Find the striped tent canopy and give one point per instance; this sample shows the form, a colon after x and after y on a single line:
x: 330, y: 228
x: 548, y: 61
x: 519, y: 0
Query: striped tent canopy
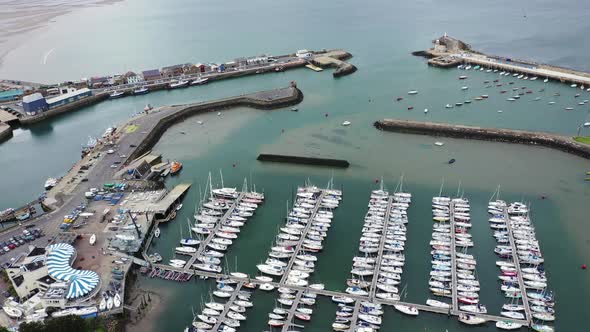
x: 81, y: 282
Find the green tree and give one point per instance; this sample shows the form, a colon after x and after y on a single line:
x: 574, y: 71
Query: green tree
x: 61, y: 324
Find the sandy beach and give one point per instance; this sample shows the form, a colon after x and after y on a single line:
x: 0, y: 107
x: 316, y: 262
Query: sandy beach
x: 19, y: 18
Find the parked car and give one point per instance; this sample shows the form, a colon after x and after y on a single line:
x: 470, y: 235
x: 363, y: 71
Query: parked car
x: 10, y: 247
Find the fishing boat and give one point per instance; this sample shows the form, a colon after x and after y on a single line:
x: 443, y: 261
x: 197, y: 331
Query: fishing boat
x: 185, y: 250
x: 175, y: 167
x: 266, y: 287
x: 178, y: 84
x: 103, y: 304
x: 50, y: 183
x: 116, y: 94
x: 508, y: 325
x: 189, y: 242
x: 200, y: 81
x: 413, y: 92
x: 92, y: 239
x: 376, y: 320
x: 109, y: 303
x: 438, y: 304
x: 117, y: 300
x: 157, y: 232
x: 471, y: 320
x: 141, y: 91
x: 542, y: 328
x: 406, y: 309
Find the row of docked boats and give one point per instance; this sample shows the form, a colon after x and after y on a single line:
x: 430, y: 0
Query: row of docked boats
x: 368, y: 318
x: 227, y: 311
x: 293, y: 257
x: 293, y: 253
x: 219, y: 219
x: 175, y: 84
x: 299, y: 302
x: 183, y: 83
x: 453, y: 268
x: 522, y: 276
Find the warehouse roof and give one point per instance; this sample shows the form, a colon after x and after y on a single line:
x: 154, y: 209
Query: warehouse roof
x: 32, y: 97
x: 10, y: 93
x: 67, y: 95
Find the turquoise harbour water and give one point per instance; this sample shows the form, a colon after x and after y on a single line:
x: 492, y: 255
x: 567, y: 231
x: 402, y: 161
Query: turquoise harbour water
x: 140, y: 35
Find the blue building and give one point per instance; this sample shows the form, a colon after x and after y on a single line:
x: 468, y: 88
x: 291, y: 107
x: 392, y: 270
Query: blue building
x: 34, y: 103
x: 69, y: 97
x: 10, y: 95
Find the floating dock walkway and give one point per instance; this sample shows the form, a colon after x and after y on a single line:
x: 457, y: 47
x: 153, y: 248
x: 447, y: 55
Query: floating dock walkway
x: 523, y: 290
x: 291, y: 313
x: 227, y: 306
x: 210, y: 237
x: 379, y: 257
x: 455, y: 302
x: 355, y: 315
x: 329, y: 293
x: 303, y: 236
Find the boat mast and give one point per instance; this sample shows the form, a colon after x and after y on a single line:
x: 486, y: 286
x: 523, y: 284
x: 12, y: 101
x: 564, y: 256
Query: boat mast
x: 441, y: 187
x: 210, y: 186
x: 245, y: 185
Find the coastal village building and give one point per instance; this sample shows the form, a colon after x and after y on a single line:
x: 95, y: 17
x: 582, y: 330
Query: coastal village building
x: 191, y: 69
x: 48, y: 271
x: 151, y: 75
x: 132, y: 78
x: 97, y: 82
x: 203, y: 67
x: 28, y: 274
x: 176, y: 70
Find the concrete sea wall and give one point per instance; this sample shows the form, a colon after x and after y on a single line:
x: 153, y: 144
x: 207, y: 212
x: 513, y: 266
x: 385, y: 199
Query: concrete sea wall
x: 303, y: 160
x: 562, y: 143
x: 5, y: 132
x: 256, y: 100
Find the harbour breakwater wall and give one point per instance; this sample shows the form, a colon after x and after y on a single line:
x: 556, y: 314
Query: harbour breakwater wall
x: 265, y: 100
x: 563, y: 143
x: 335, y: 59
x: 303, y: 160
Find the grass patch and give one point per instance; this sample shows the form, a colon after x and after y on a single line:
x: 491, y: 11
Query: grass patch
x: 582, y: 139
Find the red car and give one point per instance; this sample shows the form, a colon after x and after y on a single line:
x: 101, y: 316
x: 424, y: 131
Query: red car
x: 11, y: 246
